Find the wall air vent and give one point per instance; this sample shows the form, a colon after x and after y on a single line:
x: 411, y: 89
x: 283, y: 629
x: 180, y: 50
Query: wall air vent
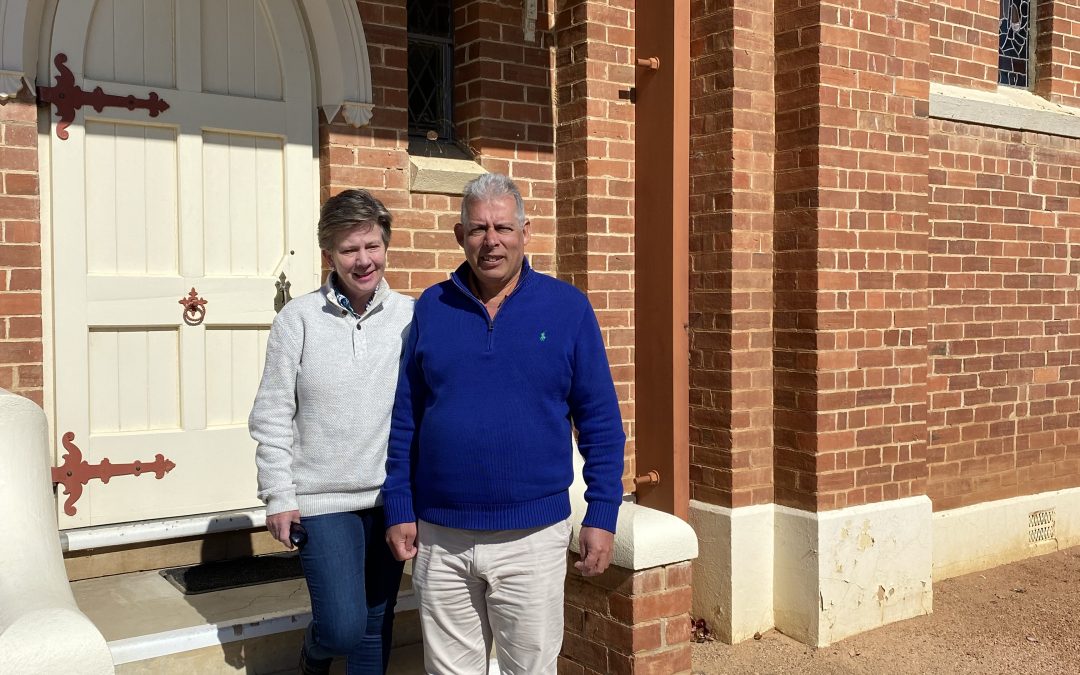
x: 1041, y: 526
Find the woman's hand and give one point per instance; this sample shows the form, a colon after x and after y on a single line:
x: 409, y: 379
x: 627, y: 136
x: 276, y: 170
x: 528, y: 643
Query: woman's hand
x: 279, y: 525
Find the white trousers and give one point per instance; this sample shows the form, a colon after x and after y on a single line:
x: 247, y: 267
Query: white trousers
x: 475, y: 586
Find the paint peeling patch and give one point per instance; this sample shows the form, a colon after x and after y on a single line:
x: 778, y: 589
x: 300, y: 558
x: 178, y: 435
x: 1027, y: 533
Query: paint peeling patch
x: 865, y: 540
x: 884, y: 596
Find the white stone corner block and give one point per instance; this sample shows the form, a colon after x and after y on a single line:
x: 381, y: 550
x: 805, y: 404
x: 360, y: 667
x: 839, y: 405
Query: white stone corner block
x: 733, y: 575
x: 644, y: 537
x: 838, y: 573
x: 41, y: 627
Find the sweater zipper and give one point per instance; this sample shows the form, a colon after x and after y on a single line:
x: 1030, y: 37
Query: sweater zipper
x: 483, y: 308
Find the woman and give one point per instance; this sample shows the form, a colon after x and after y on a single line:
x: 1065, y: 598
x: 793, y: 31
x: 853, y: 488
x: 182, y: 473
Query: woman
x: 321, y: 419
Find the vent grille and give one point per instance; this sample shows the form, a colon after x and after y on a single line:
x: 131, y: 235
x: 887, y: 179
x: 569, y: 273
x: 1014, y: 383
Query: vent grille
x: 1041, y: 526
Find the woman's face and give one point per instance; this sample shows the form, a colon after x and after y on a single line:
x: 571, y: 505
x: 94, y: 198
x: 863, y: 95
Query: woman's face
x: 359, y: 258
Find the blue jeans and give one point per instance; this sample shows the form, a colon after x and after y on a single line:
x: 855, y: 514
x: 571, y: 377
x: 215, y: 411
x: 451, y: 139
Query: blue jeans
x: 353, y: 581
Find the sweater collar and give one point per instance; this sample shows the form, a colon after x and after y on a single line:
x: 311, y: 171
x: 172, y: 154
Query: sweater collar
x: 339, y: 300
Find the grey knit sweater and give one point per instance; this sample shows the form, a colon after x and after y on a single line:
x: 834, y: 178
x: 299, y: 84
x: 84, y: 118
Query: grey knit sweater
x: 322, y: 413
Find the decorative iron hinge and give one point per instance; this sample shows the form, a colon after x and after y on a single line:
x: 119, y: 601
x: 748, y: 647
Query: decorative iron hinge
x: 76, y: 472
x: 628, y: 94
x: 69, y: 97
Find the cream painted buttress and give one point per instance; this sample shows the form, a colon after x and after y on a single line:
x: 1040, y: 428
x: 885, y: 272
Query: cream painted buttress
x: 219, y: 193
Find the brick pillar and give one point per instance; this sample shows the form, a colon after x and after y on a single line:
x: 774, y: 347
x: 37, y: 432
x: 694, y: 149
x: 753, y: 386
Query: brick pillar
x: 851, y: 238
x: 20, y: 251
x: 731, y: 253
x: 625, y: 621
x: 852, y: 164
x: 594, y: 166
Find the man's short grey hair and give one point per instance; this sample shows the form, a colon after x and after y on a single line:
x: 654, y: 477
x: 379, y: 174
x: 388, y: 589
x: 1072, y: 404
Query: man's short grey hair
x: 350, y: 210
x: 491, y: 186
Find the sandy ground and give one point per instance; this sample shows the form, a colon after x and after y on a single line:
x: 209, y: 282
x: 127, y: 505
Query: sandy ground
x: 1018, y: 618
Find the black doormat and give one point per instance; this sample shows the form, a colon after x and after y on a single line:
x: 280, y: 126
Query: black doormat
x: 247, y: 571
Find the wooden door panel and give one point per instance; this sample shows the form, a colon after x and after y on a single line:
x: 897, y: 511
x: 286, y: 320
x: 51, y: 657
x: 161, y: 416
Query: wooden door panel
x: 240, y: 42
x: 243, y: 204
x: 133, y: 42
x: 134, y: 380
x: 131, y: 213
x: 234, y: 361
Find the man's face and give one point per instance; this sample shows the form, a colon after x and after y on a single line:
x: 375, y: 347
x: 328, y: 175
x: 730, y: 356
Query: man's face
x: 359, y: 258
x: 494, y: 241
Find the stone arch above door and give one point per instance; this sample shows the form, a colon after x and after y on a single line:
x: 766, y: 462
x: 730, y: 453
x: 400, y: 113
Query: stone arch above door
x: 338, y: 46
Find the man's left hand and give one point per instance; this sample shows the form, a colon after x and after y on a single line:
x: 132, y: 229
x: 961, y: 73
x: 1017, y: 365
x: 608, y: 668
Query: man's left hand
x: 596, y: 546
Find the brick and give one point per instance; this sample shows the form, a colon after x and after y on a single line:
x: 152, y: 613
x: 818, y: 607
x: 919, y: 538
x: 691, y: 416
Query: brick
x: 679, y: 575
x: 676, y: 630
x: 20, y: 184
x: 17, y: 304
x: 665, y: 662
x: 652, y: 606
x: 584, y: 652
x: 19, y: 352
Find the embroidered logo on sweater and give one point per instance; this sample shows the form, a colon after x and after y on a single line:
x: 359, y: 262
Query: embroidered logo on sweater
x: 543, y: 336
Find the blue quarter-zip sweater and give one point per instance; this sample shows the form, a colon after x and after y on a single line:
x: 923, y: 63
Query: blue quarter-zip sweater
x: 480, y: 437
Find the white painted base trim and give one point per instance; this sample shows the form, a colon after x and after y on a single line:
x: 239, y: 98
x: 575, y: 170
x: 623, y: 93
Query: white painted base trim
x: 733, y: 573
x: 125, y: 534
x: 181, y: 640
x: 986, y: 535
x: 838, y: 573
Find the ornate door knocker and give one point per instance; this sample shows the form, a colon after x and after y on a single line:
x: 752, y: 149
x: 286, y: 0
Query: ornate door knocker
x: 194, y: 308
x: 283, y: 295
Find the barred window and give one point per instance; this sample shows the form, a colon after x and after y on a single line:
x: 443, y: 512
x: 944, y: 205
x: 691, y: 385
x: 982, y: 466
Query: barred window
x: 1014, y: 43
x: 430, y: 68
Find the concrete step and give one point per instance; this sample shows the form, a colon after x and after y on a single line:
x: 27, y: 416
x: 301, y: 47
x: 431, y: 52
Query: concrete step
x: 151, y: 627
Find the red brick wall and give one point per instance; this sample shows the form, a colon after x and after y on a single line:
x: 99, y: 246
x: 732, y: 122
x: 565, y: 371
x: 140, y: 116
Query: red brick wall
x: 506, y: 114
x: 1004, y: 328
x: 624, y: 622
x: 20, y: 251
x: 731, y: 260
x: 595, y: 171
x: 423, y: 249
x: 851, y: 228
x: 964, y: 43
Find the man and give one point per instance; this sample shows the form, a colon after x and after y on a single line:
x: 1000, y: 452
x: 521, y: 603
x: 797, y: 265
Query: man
x: 500, y: 361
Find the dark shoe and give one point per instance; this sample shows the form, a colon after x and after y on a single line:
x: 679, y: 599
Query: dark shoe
x: 309, y: 666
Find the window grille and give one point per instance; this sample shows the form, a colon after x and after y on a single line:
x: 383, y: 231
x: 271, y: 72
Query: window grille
x: 1014, y: 43
x: 430, y: 68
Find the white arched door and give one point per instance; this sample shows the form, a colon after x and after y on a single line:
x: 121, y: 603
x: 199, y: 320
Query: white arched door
x: 218, y: 193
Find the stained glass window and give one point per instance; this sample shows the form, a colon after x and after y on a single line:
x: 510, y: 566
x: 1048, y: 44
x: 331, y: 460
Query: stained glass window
x: 1014, y: 42
x: 430, y: 68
